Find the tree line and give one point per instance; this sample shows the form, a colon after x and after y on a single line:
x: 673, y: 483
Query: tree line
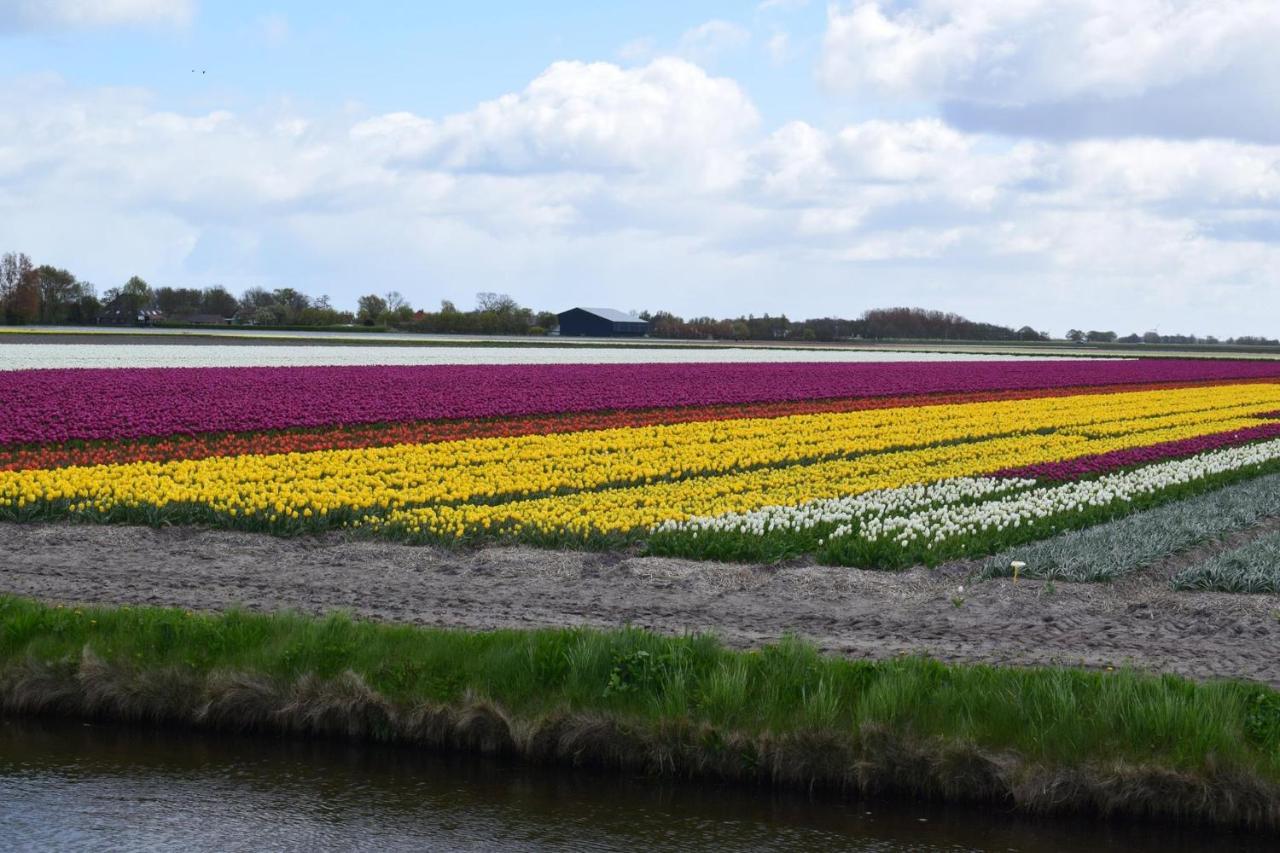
x: 48, y: 295
x: 1080, y: 337
x: 878, y: 323
x: 43, y: 294
x: 31, y: 294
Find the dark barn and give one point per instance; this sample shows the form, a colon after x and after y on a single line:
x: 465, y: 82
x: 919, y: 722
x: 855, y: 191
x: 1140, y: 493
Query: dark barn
x: 601, y: 323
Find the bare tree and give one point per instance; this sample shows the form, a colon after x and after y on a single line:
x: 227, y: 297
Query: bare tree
x: 498, y: 303
x: 395, y: 301
x: 13, y: 267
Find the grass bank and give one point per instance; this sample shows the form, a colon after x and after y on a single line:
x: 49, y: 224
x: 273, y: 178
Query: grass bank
x: 1039, y: 740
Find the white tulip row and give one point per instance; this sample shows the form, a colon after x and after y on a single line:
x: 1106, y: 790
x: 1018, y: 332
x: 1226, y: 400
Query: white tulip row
x: 934, y: 525
x: 937, y: 512
x: 867, y: 505
x: 26, y: 356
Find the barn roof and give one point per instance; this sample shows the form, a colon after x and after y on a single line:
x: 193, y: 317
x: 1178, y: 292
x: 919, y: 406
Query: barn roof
x: 613, y: 315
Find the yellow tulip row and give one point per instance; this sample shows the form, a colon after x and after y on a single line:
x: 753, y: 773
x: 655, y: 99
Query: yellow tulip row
x: 642, y: 507
x: 621, y: 479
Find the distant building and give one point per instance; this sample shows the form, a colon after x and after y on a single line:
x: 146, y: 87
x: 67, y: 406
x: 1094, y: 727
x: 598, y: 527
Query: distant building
x: 122, y: 317
x: 601, y: 323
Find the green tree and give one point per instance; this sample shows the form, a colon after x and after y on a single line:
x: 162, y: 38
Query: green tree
x: 501, y: 314
x: 291, y: 304
x: 177, y: 302
x: 255, y: 298
x: 370, y: 309
x: 15, y: 267
x: 58, y: 292
x: 23, y: 305
x: 268, y: 315
x: 138, y: 293
x: 86, y: 308
x: 217, y: 300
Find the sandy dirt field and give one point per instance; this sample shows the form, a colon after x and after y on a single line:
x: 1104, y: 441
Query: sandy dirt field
x: 1137, y: 622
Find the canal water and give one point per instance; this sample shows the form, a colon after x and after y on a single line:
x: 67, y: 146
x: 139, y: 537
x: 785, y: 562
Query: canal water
x: 72, y: 786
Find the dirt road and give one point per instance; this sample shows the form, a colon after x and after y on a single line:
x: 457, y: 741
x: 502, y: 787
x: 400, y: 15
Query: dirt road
x: 1139, y: 622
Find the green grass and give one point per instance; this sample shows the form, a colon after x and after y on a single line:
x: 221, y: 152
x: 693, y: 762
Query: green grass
x: 1040, y: 740
x: 1063, y: 717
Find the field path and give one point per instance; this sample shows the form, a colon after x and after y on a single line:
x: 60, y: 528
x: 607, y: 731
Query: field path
x: 1138, y: 622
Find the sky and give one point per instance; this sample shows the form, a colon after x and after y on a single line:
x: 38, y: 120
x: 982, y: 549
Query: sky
x: 1059, y: 163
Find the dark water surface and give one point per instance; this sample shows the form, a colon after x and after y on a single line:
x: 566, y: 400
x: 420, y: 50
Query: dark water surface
x: 97, y: 787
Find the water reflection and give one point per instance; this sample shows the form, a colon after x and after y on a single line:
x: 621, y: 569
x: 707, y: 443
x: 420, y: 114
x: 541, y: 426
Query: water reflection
x: 75, y: 786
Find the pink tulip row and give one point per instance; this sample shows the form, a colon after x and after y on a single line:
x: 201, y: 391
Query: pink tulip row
x: 61, y: 405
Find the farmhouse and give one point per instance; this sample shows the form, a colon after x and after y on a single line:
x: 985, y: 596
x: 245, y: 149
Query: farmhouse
x: 124, y: 317
x: 601, y: 323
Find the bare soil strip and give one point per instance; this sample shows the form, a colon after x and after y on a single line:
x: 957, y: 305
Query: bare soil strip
x: 1139, y: 622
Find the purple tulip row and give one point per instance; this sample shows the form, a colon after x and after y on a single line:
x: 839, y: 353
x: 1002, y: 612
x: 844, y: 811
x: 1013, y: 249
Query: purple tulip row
x: 1074, y: 469
x: 60, y: 405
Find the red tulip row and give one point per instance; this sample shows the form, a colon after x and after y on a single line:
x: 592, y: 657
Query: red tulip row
x: 200, y: 446
x: 1102, y: 463
x: 40, y: 406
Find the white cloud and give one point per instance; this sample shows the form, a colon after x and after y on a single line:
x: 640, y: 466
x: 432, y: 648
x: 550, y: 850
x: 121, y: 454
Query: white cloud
x: 75, y: 14
x: 1041, y: 49
x: 638, y: 50
x: 795, y: 161
x: 779, y: 48
x: 273, y: 28
x: 586, y: 117
x: 922, y: 149
x: 1206, y: 174
x: 880, y: 164
x: 997, y: 54
x: 705, y: 43
x: 647, y: 187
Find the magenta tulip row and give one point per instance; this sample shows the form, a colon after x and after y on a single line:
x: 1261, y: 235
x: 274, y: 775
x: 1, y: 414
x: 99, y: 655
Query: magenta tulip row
x: 1074, y: 469
x: 60, y: 405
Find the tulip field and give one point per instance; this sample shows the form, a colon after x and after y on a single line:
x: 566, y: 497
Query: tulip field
x: 393, y: 353
x: 876, y: 464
